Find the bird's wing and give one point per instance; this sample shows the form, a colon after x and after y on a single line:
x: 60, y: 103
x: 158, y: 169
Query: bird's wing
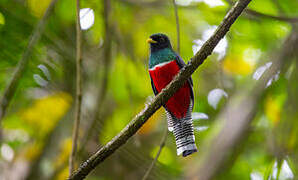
x: 181, y: 64
x: 153, y: 87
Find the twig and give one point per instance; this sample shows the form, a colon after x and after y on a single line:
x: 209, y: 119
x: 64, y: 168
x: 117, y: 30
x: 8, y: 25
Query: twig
x: 280, y: 18
x: 104, y: 82
x: 78, y: 90
x: 259, y: 14
x: 234, y: 121
x: 162, y: 97
x: 162, y: 144
x: 107, y: 45
x: 177, y: 26
x: 18, y: 73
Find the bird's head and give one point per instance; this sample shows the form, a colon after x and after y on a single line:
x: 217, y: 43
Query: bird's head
x: 159, y: 41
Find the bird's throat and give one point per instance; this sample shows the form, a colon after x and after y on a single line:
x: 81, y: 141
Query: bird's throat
x: 160, y: 57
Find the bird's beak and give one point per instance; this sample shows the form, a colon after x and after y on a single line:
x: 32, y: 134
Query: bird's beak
x: 150, y: 41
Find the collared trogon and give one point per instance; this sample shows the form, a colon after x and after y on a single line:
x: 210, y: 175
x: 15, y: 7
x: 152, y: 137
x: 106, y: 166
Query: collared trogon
x: 164, y: 64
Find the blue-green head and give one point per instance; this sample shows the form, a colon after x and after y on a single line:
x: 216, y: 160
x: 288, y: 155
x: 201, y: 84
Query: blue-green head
x: 160, y: 49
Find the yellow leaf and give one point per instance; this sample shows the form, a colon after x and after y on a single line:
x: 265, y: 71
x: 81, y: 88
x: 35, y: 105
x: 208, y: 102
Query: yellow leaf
x: 65, y: 149
x: 32, y: 151
x: 236, y: 65
x: 44, y: 114
x: 273, y: 106
x: 38, y: 7
x: 2, y: 19
x: 63, y: 174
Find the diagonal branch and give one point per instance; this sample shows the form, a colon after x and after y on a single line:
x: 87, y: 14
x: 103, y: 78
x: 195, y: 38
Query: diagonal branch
x: 78, y: 90
x: 164, y: 96
x: 20, y: 69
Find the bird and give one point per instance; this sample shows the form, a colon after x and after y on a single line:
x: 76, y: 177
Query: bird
x: 164, y: 65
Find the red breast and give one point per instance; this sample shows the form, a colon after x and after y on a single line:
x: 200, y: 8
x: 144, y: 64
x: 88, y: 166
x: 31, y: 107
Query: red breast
x: 162, y: 75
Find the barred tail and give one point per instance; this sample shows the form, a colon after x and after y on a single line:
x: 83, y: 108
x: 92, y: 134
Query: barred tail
x: 183, y: 132
x: 185, y: 139
x: 170, y: 121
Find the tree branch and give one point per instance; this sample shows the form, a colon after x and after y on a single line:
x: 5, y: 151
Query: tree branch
x: 162, y: 97
x: 234, y: 121
x: 78, y: 90
x: 18, y: 73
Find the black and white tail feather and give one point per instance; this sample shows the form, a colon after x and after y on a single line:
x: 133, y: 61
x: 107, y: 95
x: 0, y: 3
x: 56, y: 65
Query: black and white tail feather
x: 183, y: 132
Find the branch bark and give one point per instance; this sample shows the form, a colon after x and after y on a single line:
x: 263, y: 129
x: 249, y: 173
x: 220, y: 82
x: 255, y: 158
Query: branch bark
x: 20, y: 69
x: 78, y: 90
x: 164, y: 96
x: 234, y: 121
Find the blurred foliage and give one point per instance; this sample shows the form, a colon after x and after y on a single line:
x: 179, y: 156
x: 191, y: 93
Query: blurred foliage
x: 236, y: 65
x: 39, y: 121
